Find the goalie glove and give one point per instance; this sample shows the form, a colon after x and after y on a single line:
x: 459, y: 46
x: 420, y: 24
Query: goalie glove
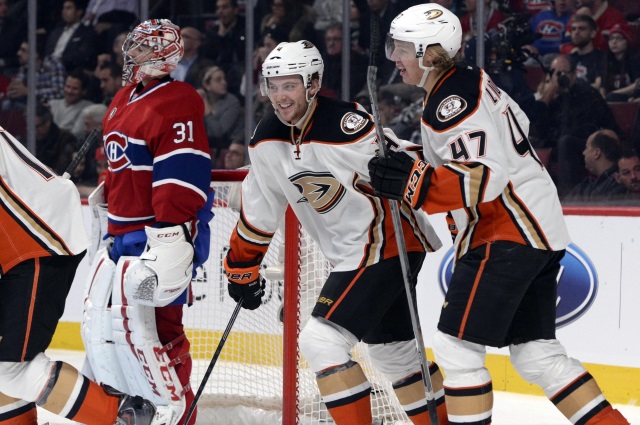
x: 401, y: 178
x: 164, y: 270
x: 245, y: 282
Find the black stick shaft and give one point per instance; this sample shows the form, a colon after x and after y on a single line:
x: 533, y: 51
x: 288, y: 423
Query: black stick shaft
x: 91, y: 139
x: 223, y: 339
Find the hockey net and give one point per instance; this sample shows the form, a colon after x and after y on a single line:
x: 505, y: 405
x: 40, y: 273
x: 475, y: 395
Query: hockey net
x: 260, y: 377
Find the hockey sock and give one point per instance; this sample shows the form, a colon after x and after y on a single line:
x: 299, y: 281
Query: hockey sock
x: 346, y: 393
x: 17, y: 412
x: 411, y: 394
x: 75, y: 397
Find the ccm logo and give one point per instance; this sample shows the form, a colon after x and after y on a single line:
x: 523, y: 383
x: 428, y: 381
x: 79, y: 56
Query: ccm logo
x: 577, y: 283
x: 167, y: 235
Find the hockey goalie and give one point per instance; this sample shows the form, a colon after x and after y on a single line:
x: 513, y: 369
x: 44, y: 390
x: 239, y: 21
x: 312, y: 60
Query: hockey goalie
x: 150, y: 227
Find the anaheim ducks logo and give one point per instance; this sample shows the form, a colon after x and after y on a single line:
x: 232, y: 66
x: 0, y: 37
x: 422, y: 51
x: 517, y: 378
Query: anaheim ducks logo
x: 433, y: 14
x: 450, y: 107
x: 321, y: 190
x: 352, y: 123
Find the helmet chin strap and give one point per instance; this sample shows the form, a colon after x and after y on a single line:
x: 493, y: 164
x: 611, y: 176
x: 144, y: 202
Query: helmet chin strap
x: 427, y: 70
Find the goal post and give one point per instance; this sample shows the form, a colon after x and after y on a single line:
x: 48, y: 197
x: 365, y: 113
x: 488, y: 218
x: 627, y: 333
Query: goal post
x: 260, y: 377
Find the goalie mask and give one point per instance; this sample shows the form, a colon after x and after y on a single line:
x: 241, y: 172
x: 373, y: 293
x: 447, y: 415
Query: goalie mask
x: 425, y: 25
x: 298, y: 58
x: 152, y: 49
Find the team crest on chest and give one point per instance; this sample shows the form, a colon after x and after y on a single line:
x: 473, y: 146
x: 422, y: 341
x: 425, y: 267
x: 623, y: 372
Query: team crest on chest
x: 450, y: 107
x: 321, y: 190
x: 352, y: 123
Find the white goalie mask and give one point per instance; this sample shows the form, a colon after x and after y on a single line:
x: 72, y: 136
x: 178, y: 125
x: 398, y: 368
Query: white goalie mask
x: 152, y: 49
x: 425, y: 25
x: 298, y: 58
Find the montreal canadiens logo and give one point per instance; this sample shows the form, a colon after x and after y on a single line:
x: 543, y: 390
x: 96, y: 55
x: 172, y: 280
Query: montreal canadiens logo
x: 450, y: 107
x: 352, y: 123
x: 577, y: 283
x: 115, y: 147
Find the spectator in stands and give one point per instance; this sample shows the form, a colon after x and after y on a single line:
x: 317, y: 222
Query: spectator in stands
x: 551, y: 24
x: 110, y: 76
x: 628, y: 174
x: 92, y: 117
x: 71, y: 42
x: 225, y: 43
x: 327, y: 12
x: 235, y: 156
x: 622, y: 72
x: 54, y: 146
x: 492, y: 16
x: 96, y: 8
x: 590, y: 63
x: 50, y: 75
x: 601, y: 154
x: 12, y: 32
x: 192, y: 65
x: 605, y: 16
x: 295, y: 17
x: 66, y: 111
x: 223, y: 114
x: 568, y: 111
x: 332, y: 78
x: 389, y: 106
x: 386, y: 10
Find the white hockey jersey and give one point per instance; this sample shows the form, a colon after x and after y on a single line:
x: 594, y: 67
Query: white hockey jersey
x: 486, y: 172
x: 40, y: 212
x: 322, y: 173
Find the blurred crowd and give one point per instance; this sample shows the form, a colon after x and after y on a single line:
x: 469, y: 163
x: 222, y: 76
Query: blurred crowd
x: 572, y: 65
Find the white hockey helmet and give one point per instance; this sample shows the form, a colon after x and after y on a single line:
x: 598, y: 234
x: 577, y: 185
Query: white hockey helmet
x: 151, y: 49
x: 425, y: 25
x: 296, y: 58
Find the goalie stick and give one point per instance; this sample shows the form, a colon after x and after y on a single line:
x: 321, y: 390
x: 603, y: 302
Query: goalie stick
x: 372, y: 86
x: 214, y: 359
x: 89, y: 141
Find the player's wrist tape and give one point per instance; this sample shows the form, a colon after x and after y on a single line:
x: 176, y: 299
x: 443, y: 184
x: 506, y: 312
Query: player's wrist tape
x: 417, y: 184
x: 241, y: 273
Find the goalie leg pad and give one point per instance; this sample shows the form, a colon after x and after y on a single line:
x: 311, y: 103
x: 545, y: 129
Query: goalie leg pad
x: 96, y: 330
x: 164, y: 270
x: 325, y: 345
x: 148, y: 368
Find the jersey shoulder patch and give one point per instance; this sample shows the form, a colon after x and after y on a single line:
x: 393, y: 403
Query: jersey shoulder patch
x: 337, y: 121
x: 456, y: 97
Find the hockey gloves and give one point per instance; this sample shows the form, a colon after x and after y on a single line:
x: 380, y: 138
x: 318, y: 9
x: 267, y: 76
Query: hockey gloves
x: 245, y: 282
x: 401, y: 178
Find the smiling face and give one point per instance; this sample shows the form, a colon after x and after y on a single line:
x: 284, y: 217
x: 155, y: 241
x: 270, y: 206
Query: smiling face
x: 288, y: 96
x: 404, y: 56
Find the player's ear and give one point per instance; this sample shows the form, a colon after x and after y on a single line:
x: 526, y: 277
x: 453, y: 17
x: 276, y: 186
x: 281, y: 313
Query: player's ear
x: 315, y: 87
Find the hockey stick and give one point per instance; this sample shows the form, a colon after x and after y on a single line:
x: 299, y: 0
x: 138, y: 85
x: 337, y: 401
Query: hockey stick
x: 372, y: 86
x: 223, y: 339
x: 89, y: 141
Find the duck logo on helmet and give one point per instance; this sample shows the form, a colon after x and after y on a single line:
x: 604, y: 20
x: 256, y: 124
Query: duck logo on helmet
x: 433, y: 14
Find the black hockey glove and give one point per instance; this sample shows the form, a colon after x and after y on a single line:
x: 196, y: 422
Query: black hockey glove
x: 245, y: 282
x: 401, y: 178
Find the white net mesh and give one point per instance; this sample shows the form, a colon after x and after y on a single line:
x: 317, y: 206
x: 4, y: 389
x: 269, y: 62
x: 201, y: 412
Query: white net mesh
x: 247, y: 384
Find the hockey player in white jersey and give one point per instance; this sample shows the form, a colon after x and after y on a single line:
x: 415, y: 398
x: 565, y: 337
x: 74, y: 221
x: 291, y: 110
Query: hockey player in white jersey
x: 312, y: 155
x: 510, y: 234
x: 42, y: 241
